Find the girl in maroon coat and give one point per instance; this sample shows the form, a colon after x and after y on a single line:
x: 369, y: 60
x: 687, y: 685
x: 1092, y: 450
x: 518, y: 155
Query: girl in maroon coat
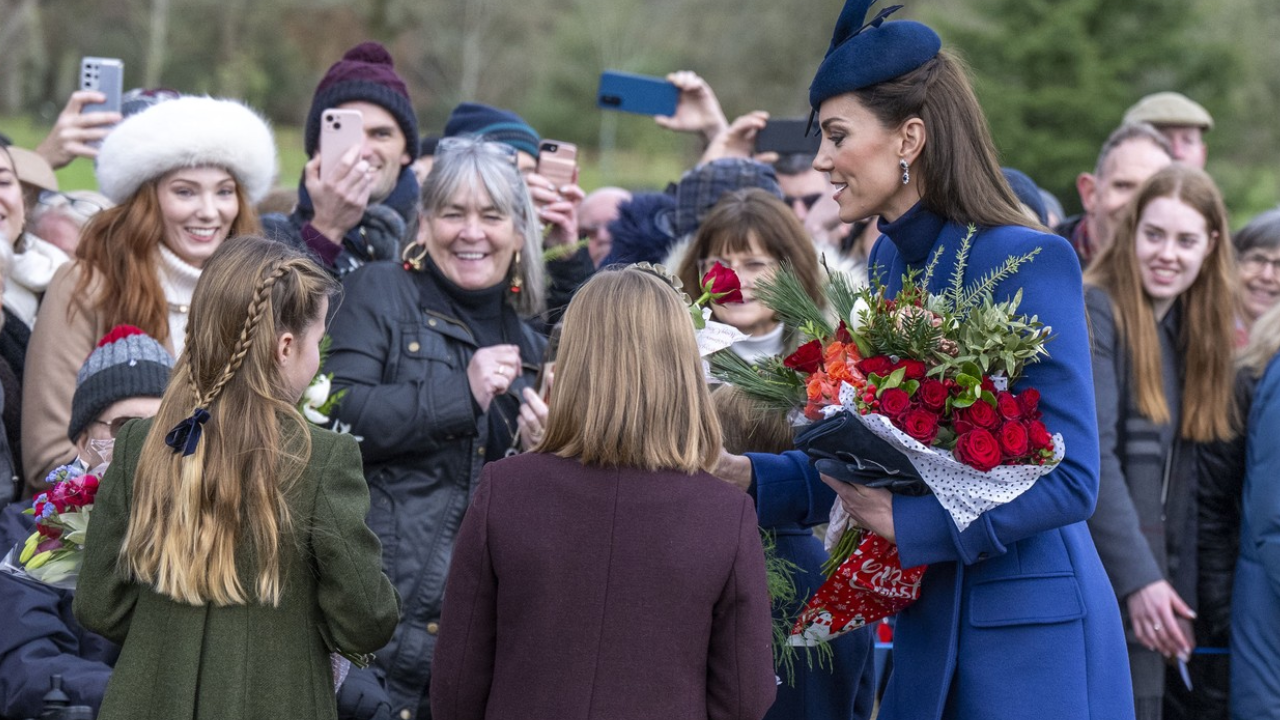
x: 608, y: 575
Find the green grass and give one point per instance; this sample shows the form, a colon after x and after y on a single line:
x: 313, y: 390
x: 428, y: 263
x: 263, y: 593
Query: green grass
x: 626, y: 168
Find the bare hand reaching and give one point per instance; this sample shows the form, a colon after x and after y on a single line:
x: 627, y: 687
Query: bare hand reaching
x: 697, y: 110
x: 73, y: 131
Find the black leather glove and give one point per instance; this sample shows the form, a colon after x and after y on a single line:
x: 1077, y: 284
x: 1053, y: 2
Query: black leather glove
x: 842, y: 447
x: 362, y: 696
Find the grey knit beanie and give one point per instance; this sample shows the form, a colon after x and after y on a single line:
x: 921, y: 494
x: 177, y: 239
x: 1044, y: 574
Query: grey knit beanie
x: 126, y: 363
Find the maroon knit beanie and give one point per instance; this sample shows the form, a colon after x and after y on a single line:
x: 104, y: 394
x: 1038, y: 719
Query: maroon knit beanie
x: 366, y: 72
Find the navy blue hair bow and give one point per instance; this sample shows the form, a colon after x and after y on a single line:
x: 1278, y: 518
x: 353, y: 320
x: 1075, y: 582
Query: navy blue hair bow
x: 185, y: 436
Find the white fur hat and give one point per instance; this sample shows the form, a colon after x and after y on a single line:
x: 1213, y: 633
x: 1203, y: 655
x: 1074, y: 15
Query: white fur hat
x: 185, y: 133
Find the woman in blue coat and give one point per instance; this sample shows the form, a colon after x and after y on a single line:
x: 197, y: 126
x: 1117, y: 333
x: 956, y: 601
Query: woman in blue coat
x: 1255, y: 606
x: 1016, y: 617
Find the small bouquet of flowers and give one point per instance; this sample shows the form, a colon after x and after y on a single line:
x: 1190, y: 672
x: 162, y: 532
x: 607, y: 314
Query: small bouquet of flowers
x: 911, y: 394
x: 319, y: 401
x: 54, y: 552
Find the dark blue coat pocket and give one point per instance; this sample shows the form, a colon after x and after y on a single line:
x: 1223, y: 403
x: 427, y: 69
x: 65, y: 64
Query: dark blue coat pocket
x: 1026, y: 600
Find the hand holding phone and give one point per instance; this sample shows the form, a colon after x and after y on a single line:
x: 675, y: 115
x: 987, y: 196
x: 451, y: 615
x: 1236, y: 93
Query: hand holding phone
x: 785, y: 136
x: 639, y: 94
x: 558, y: 162
x: 340, y: 130
x: 104, y: 75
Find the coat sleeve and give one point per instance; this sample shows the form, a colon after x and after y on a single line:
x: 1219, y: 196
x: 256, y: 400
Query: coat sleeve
x: 105, y: 596
x: 1115, y: 527
x: 393, y: 418
x: 462, y: 669
x: 359, y: 604
x: 1052, y: 292
x: 1261, y: 500
x: 741, y: 683
x: 788, y: 490
x: 37, y: 641
x: 59, y: 345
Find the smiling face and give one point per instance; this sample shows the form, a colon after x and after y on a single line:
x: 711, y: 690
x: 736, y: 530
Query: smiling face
x: 12, y: 211
x: 1259, y: 269
x: 385, y: 147
x: 861, y: 157
x: 198, y: 206
x: 470, y: 240
x: 1172, y: 243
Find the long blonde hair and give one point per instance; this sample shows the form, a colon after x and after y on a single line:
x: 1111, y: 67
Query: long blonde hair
x: 192, y: 512
x: 1208, y: 324
x: 629, y: 389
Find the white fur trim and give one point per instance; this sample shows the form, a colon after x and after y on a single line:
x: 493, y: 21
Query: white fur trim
x: 184, y: 133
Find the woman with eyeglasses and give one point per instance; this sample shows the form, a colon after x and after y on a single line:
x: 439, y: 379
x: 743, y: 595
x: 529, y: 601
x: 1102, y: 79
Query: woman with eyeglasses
x: 438, y: 366
x: 752, y: 232
x: 59, y: 217
x: 1258, y: 264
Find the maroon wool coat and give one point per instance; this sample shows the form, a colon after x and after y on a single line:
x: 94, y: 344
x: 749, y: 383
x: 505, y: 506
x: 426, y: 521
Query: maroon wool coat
x: 583, y: 592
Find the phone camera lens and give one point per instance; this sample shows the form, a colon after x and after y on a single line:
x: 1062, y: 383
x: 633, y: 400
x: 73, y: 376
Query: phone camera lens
x: 337, y: 126
x: 328, y: 118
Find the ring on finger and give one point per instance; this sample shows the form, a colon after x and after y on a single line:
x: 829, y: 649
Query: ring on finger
x: 502, y: 370
x: 1157, y: 627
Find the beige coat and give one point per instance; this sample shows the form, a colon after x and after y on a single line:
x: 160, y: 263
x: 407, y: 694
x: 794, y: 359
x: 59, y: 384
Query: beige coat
x: 60, y: 343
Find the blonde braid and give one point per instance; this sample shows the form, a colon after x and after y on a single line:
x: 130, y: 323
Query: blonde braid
x: 257, y: 307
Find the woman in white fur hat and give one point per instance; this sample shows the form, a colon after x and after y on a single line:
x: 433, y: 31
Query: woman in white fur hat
x: 185, y: 175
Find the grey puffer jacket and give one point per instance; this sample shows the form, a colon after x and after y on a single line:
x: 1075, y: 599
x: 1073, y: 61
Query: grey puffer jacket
x: 400, y: 353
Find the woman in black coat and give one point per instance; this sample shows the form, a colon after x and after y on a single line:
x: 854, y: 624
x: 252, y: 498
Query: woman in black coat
x: 437, y: 367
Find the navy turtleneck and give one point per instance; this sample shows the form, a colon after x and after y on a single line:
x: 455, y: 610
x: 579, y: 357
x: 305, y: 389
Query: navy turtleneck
x: 914, y: 233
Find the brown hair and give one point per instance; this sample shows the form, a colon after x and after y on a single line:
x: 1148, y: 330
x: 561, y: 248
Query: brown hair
x: 629, y: 389
x: 1264, y: 343
x: 191, y: 513
x: 749, y: 426
x: 960, y: 177
x: 1208, y: 320
x: 120, y: 244
x: 753, y: 214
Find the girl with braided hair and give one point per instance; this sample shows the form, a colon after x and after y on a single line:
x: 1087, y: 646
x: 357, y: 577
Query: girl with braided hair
x: 228, y: 552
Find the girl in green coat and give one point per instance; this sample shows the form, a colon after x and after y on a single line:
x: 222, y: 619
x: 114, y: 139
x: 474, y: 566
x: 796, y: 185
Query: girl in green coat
x: 228, y: 553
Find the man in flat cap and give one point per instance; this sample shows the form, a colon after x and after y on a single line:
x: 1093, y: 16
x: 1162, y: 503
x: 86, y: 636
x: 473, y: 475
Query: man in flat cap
x: 1180, y: 119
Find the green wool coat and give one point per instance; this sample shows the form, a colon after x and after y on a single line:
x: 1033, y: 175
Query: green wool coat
x: 242, y: 661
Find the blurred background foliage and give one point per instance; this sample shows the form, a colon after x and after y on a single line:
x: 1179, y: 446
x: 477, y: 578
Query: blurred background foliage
x: 1054, y: 76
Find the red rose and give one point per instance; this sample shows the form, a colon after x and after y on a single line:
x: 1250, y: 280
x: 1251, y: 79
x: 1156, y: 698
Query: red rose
x: 989, y: 385
x: 1039, y: 436
x: 978, y: 449
x: 915, y: 369
x: 921, y: 425
x: 722, y: 284
x: 894, y: 402
x: 932, y: 394
x: 806, y: 359
x: 843, y: 335
x: 960, y: 425
x: 1029, y: 399
x: 980, y: 415
x: 1008, y: 405
x: 1013, y: 440
x: 879, y: 365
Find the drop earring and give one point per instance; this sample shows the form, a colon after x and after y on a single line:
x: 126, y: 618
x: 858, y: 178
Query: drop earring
x: 516, y: 281
x: 906, y: 170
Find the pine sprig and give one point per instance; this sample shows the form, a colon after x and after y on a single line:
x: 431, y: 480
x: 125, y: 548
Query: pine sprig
x: 786, y: 296
x: 987, y: 285
x: 841, y: 292
x: 775, y: 388
x: 780, y: 575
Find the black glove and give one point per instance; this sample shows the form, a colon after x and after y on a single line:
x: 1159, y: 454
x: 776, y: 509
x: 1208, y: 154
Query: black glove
x: 842, y: 447
x: 362, y: 696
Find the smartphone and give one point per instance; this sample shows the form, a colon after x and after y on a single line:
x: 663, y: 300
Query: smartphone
x: 340, y: 130
x: 785, y: 136
x: 558, y: 162
x: 639, y: 94
x: 105, y: 75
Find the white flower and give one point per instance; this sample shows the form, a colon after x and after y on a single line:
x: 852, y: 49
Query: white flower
x: 318, y: 392
x: 314, y: 415
x: 860, y: 306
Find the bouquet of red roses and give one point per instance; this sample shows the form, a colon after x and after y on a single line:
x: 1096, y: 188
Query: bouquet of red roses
x: 911, y: 394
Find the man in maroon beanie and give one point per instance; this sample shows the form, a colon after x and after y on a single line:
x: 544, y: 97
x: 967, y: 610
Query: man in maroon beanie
x: 361, y: 210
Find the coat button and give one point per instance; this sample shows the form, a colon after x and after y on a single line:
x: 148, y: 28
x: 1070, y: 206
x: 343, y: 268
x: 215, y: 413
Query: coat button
x: 433, y: 628
x: 405, y: 714
x: 480, y: 452
x: 432, y: 322
x: 413, y: 347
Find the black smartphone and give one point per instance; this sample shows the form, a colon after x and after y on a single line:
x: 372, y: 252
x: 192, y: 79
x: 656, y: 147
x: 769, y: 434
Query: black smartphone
x: 785, y: 136
x: 639, y: 94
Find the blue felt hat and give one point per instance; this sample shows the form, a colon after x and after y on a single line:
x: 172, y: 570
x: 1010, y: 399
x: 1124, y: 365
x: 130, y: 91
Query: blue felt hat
x: 864, y: 53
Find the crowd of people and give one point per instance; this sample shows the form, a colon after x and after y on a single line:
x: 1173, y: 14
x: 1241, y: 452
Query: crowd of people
x: 529, y: 500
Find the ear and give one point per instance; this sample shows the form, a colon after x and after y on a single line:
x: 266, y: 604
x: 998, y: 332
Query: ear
x: 424, y: 229
x: 405, y: 159
x: 1086, y: 185
x: 286, y: 349
x: 912, y: 136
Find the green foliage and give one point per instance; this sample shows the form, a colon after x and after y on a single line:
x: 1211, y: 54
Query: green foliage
x: 773, y: 386
x: 780, y: 576
x: 788, y: 298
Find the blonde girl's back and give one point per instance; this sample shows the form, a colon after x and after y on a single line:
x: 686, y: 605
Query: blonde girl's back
x: 228, y: 552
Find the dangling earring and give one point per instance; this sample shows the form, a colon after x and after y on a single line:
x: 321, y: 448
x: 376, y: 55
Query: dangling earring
x: 516, y: 281
x: 413, y: 262
x: 906, y: 170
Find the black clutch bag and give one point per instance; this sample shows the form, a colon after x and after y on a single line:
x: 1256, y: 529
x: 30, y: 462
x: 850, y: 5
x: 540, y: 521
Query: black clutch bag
x: 842, y: 447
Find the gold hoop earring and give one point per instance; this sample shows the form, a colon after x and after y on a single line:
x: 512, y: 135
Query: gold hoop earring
x: 413, y: 262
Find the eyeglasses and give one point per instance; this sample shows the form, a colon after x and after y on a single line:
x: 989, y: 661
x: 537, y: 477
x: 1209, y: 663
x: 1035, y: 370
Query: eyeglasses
x: 1257, y: 262
x: 476, y: 144
x: 114, y: 426
x: 53, y: 198
x: 808, y: 200
x: 748, y: 269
